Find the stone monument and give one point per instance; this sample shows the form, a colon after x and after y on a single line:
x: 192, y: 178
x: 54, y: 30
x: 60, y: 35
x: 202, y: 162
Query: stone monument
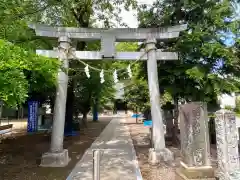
x: 195, y: 146
x: 227, y: 145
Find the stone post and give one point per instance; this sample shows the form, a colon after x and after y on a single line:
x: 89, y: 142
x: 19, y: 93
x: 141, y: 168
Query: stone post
x: 58, y: 157
x: 157, y: 120
x: 227, y: 144
x: 195, y: 146
x: 169, y: 124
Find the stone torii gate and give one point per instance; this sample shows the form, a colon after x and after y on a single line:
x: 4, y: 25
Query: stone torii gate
x: 57, y: 156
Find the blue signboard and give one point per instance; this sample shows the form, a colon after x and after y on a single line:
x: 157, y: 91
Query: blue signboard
x: 32, y: 116
x: 147, y: 123
x: 136, y: 115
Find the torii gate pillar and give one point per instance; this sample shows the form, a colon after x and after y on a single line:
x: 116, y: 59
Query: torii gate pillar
x: 158, y: 140
x: 58, y: 157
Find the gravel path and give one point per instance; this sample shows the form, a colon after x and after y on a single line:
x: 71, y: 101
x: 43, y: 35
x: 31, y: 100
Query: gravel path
x: 140, y: 136
x: 141, y: 142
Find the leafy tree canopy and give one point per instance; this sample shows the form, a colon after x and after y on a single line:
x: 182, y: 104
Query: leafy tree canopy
x: 15, y: 65
x: 206, y: 66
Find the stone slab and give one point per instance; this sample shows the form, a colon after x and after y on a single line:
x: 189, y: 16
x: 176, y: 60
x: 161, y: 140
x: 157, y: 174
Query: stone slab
x: 227, y: 143
x: 195, y: 173
x: 195, y: 146
x: 118, y: 160
x: 58, y: 159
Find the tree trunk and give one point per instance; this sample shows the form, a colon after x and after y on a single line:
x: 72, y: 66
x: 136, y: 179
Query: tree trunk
x: 175, y: 129
x: 84, y: 120
x: 69, y: 108
x: 84, y: 125
x: 1, y: 108
x: 17, y: 112
x: 95, y: 111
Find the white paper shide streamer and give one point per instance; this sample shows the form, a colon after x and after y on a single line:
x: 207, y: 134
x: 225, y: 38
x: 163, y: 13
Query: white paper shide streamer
x: 115, y: 78
x: 129, y: 71
x: 102, y: 77
x: 87, y: 71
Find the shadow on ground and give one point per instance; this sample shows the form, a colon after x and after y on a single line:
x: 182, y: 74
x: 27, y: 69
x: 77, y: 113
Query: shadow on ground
x: 20, y: 157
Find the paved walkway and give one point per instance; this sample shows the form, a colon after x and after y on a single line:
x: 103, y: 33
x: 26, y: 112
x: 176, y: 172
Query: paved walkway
x: 118, y: 161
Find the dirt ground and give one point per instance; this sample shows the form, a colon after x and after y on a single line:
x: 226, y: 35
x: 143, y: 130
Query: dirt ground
x: 140, y: 136
x: 20, y: 156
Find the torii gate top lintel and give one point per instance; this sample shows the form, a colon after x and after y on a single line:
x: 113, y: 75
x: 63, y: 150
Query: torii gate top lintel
x: 108, y: 38
x: 119, y: 34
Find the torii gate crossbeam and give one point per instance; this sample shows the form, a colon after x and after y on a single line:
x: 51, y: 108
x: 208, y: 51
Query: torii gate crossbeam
x: 59, y: 156
x: 96, y: 55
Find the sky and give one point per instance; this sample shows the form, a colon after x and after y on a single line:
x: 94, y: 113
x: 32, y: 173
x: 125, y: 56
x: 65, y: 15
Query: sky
x: 130, y: 17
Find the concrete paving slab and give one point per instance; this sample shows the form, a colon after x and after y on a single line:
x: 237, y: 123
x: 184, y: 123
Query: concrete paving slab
x: 118, y: 158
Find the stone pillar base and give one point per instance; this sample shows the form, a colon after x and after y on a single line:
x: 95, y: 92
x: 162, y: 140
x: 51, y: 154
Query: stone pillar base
x: 152, y: 157
x: 57, y: 159
x: 195, y: 173
x: 155, y: 157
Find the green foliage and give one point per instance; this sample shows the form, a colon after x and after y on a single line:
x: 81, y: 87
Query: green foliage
x: 136, y: 88
x: 87, y: 13
x: 89, y: 91
x: 198, y: 75
x: 35, y: 75
x: 166, y: 97
x: 127, y: 46
x: 136, y: 95
x: 27, y: 75
x: 228, y: 107
x: 15, y: 65
x: 15, y: 16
